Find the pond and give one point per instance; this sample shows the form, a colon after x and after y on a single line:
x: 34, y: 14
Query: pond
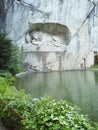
x: 78, y: 87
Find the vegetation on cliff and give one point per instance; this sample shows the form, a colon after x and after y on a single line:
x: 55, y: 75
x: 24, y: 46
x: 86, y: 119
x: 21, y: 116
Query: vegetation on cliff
x: 10, y: 58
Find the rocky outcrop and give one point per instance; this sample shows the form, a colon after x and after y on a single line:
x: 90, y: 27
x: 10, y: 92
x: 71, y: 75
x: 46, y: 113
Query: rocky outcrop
x: 53, y: 35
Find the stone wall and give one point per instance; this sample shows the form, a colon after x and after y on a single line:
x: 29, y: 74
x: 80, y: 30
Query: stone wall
x: 63, y: 33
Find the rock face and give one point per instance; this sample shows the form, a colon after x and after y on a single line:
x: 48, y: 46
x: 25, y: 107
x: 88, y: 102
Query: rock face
x: 52, y: 35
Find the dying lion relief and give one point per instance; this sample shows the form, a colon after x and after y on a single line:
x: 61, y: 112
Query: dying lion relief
x: 45, y: 38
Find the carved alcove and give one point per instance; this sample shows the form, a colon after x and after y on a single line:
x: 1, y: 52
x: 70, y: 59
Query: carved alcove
x: 48, y: 42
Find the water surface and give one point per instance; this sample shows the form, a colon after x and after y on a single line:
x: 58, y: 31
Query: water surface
x: 78, y: 87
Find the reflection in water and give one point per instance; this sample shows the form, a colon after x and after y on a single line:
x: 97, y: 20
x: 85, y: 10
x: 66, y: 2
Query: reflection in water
x: 78, y: 87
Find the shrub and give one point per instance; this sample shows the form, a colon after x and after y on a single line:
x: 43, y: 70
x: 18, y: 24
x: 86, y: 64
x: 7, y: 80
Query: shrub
x: 49, y: 114
x: 8, y: 78
x: 43, y: 114
x: 6, y: 86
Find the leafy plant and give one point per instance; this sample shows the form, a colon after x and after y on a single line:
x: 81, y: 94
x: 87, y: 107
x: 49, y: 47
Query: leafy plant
x: 7, y: 77
x: 44, y: 114
x: 58, y: 115
x: 5, y: 87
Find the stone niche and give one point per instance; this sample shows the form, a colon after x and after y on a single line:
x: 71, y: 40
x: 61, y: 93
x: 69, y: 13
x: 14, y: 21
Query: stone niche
x: 45, y: 47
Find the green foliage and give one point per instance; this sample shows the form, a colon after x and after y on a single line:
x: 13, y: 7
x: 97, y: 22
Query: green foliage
x: 3, y: 85
x: 95, y: 67
x: 7, y: 77
x: 49, y: 114
x: 6, y: 86
x: 44, y: 114
x: 9, y: 55
x: 7, y: 93
x: 16, y: 108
